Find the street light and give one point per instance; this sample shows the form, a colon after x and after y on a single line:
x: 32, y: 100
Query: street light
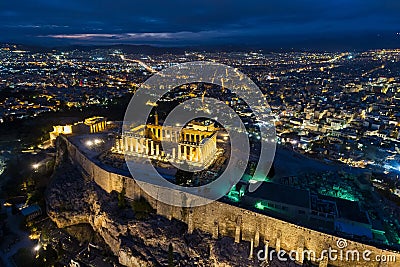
x: 37, y: 247
x: 89, y: 143
x: 35, y: 166
x: 97, y: 141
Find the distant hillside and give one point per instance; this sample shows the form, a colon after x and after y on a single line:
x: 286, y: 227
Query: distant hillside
x: 134, y: 49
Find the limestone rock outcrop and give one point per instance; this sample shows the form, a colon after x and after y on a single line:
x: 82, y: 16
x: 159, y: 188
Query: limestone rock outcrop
x: 144, y: 241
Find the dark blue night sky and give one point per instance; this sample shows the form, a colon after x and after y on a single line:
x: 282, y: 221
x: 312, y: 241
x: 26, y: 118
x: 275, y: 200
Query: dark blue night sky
x: 341, y: 24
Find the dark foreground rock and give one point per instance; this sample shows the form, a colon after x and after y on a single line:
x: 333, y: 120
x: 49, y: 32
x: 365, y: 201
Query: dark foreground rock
x: 136, y: 238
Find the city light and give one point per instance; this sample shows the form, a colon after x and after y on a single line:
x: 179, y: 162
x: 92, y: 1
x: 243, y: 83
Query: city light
x: 97, y: 141
x: 37, y: 247
x: 36, y: 166
x: 259, y: 206
x: 89, y: 143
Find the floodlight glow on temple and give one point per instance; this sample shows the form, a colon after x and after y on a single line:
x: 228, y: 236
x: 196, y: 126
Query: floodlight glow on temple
x: 195, y: 144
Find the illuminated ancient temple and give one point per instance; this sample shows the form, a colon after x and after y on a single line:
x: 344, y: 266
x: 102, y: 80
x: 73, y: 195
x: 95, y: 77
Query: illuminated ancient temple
x: 195, y: 144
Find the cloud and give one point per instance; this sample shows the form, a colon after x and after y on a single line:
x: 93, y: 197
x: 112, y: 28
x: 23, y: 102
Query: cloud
x: 143, y: 36
x: 30, y: 26
x: 190, y: 21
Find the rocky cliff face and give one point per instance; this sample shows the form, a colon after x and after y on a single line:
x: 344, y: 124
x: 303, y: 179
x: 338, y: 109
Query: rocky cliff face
x: 135, y: 240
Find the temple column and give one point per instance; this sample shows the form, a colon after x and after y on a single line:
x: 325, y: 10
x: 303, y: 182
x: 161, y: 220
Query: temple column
x: 147, y: 147
x: 152, y: 147
x: 173, y: 153
x: 185, y: 152
x: 142, y: 146
x: 125, y: 143
x: 116, y: 145
x: 191, y: 153
x: 179, y: 151
x: 157, y: 150
x: 196, y: 158
x: 131, y: 144
x: 199, y: 155
x: 139, y: 145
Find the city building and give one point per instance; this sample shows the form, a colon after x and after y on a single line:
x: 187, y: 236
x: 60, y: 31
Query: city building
x: 298, y: 205
x: 90, y: 125
x: 31, y: 212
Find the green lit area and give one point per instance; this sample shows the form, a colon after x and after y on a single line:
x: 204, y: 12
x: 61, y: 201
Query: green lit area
x: 233, y: 194
x: 259, y: 178
x: 259, y: 205
x: 338, y: 193
x: 391, y: 234
x: 237, y: 191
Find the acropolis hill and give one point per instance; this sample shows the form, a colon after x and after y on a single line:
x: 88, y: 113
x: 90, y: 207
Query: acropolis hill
x: 85, y: 198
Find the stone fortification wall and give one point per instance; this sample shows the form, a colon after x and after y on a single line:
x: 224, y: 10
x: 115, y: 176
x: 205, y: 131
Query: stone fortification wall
x: 222, y: 219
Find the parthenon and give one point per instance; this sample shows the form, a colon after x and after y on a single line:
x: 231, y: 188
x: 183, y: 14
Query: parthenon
x: 195, y: 144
